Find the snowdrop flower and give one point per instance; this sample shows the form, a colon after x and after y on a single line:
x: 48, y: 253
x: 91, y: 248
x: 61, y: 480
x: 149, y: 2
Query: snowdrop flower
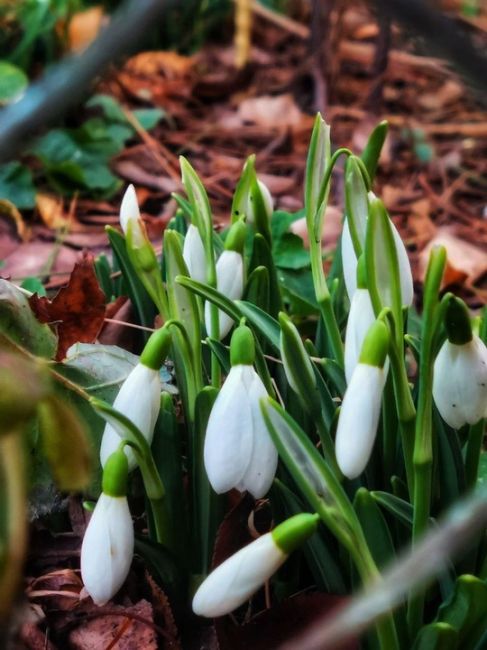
x: 267, y: 200
x: 349, y: 263
x: 241, y: 575
x: 238, y: 451
x: 108, y: 544
x: 139, y: 397
x: 130, y: 220
x: 194, y: 254
x: 460, y: 370
x: 360, y: 318
x: 229, y: 277
x: 360, y: 411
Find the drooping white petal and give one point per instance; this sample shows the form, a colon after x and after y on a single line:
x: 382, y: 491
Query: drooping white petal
x: 349, y: 264
x: 229, y: 274
x: 268, y: 202
x: 262, y: 465
x: 360, y: 318
x: 229, y: 434
x: 130, y: 217
x: 234, y: 581
x: 358, y: 420
x: 349, y: 261
x: 405, y: 274
x: 460, y: 382
x: 194, y: 254
x: 107, y: 549
x: 139, y: 400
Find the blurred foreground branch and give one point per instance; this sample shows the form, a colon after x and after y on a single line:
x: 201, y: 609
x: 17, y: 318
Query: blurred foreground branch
x: 429, y: 559
x: 66, y: 82
x: 442, y: 36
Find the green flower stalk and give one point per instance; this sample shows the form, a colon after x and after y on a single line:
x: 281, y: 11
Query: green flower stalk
x: 140, y: 250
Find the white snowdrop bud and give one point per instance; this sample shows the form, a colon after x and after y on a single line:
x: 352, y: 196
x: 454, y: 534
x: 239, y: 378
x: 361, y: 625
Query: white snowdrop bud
x: 194, y: 254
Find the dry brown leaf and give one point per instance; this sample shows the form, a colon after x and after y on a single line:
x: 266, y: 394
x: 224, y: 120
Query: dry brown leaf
x: 84, y: 26
x: 77, y: 310
x: 32, y: 258
x: 271, y: 112
x: 331, y: 230
x: 51, y: 211
x: 465, y: 262
x: 127, y: 628
x: 9, y: 210
x: 170, y: 64
x: 450, y: 92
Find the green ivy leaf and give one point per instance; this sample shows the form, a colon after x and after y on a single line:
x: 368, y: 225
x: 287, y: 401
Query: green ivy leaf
x: 13, y: 82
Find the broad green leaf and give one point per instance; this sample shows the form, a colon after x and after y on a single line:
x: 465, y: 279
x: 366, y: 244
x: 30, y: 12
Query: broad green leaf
x: 466, y: 611
x: 16, y: 185
x: 262, y: 322
x: 148, y: 117
x: 371, y: 153
x: 18, y: 322
x: 257, y: 288
x: 207, y: 506
x: 34, y: 285
x: 65, y: 444
x: 436, y: 636
x: 262, y: 256
x: 399, y: 508
x: 135, y: 289
x: 321, y: 558
x: 13, y: 82
x: 167, y: 451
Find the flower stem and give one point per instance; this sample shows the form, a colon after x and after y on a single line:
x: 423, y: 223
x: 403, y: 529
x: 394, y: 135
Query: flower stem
x: 423, y: 439
x: 472, y: 453
x: 324, y: 300
x: 15, y: 498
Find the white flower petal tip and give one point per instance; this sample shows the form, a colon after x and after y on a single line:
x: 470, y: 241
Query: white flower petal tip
x: 360, y: 318
x: 139, y: 400
x: 239, y: 452
x: 230, y: 282
x: 267, y: 199
x: 460, y: 382
x: 107, y: 549
x: 129, y: 209
x: 358, y: 420
x: 238, y: 578
x: 194, y: 254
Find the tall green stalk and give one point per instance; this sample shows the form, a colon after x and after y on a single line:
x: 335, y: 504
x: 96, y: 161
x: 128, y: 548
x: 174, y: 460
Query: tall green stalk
x: 423, y: 441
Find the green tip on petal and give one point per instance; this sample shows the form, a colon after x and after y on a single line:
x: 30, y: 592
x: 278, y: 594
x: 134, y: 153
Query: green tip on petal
x: 375, y: 345
x: 457, y: 322
x: 156, y: 349
x: 242, y: 347
x: 361, y: 273
x: 115, y: 473
x: 293, y: 532
x: 235, y: 240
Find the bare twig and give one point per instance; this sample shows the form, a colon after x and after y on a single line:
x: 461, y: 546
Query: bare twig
x: 66, y: 83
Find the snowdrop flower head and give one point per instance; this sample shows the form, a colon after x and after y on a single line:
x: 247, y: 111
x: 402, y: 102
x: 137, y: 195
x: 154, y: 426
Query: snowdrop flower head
x: 229, y: 276
x: 360, y: 318
x: 130, y: 220
x: 460, y: 370
x: 108, y: 544
x: 349, y: 263
x: 238, y: 451
x: 194, y: 254
x: 267, y: 201
x: 241, y: 575
x: 139, y: 396
x: 360, y: 411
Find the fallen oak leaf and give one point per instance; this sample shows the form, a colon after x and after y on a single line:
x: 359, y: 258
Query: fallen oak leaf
x: 77, y: 310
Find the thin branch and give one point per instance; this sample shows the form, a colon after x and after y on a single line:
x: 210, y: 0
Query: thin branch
x: 67, y: 82
x: 429, y: 559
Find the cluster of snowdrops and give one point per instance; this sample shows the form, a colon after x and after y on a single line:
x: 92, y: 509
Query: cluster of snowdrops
x: 223, y: 308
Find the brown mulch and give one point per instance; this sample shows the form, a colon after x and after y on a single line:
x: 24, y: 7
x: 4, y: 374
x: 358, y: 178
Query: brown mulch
x: 432, y: 175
